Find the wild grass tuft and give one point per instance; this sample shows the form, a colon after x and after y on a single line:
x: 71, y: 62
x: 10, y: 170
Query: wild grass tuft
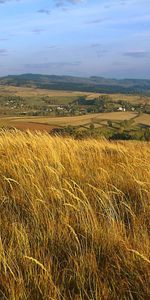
x: 74, y: 218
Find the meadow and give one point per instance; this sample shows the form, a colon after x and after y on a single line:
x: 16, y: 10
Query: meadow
x: 74, y: 218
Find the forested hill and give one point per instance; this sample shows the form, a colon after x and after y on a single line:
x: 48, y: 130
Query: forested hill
x: 91, y: 84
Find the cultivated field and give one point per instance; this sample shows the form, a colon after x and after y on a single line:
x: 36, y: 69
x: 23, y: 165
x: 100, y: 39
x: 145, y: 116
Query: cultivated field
x: 143, y: 119
x: 19, y: 112
x: 28, y: 122
x: 74, y: 218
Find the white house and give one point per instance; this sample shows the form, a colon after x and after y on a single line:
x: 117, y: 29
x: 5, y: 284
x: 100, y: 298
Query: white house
x: 121, y: 108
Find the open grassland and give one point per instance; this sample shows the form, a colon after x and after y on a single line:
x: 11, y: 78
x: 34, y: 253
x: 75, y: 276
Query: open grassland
x: 74, y: 218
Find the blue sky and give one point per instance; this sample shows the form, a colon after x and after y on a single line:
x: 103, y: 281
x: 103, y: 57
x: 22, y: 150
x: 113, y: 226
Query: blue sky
x: 108, y: 38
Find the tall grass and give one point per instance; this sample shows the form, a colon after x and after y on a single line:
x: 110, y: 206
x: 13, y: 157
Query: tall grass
x: 74, y: 218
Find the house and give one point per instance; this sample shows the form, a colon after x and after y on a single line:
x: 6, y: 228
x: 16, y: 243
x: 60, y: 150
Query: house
x: 121, y: 108
x: 60, y: 108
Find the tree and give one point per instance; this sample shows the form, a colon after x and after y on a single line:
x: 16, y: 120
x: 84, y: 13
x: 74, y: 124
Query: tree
x: 147, y: 134
x: 109, y: 122
x: 92, y: 127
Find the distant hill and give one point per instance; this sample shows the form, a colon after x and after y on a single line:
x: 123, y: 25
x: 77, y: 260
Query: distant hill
x: 71, y: 83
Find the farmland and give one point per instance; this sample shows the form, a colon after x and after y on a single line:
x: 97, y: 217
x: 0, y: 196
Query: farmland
x: 35, y: 109
x: 78, y: 120
x: 143, y: 119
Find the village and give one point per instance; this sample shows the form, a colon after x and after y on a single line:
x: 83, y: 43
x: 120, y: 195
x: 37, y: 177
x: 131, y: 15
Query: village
x: 102, y: 104
x: 82, y: 105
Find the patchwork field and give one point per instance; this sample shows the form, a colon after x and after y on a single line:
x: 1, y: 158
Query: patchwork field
x: 46, y: 123
x: 38, y: 109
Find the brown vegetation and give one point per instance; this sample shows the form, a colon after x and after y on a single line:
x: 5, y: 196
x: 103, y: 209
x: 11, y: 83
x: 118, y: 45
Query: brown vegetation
x: 74, y: 218
x: 143, y: 119
x: 24, y: 126
x: 64, y: 121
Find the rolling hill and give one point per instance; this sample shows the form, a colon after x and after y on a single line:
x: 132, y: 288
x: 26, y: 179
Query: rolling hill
x: 91, y: 84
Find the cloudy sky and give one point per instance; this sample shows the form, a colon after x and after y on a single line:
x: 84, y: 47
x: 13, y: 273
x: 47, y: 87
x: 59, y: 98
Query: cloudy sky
x: 108, y: 38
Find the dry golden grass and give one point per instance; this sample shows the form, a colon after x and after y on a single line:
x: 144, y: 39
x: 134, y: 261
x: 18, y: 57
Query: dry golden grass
x: 74, y: 218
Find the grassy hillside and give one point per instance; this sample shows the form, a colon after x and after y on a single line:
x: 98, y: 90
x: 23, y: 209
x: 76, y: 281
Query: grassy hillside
x: 74, y: 218
x: 72, y: 83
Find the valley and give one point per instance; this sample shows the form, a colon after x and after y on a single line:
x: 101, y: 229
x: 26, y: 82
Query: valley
x: 80, y: 114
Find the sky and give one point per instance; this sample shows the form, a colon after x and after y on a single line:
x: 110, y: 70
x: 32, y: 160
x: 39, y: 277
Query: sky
x: 109, y: 38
